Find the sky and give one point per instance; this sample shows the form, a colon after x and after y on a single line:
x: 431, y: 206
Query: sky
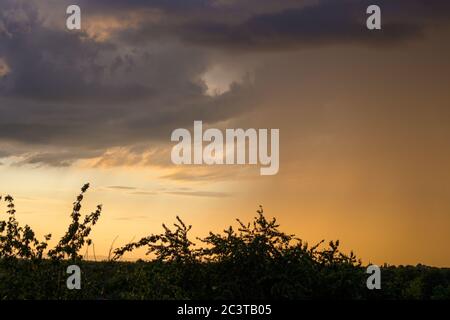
x: 364, y: 118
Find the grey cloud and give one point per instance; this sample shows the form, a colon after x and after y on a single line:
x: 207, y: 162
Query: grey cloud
x: 319, y: 23
x: 69, y: 97
x: 70, y: 92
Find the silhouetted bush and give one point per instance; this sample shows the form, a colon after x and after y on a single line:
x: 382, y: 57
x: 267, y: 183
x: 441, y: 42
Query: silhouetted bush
x: 256, y: 261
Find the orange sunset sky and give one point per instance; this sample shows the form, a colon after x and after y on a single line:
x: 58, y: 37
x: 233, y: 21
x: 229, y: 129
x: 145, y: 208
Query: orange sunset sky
x: 364, y: 118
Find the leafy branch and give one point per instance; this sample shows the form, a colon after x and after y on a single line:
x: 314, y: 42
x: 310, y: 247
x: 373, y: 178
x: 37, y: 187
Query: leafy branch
x: 77, y: 233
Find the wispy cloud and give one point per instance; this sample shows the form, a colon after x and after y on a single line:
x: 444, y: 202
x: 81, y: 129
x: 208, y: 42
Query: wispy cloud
x: 145, y: 193
x: 130, y: 218
x: 208, y: 194
x: 121, y: 188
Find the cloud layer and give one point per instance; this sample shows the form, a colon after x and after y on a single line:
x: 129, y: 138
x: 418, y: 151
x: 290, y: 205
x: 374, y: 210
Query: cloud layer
x: 66, y: 96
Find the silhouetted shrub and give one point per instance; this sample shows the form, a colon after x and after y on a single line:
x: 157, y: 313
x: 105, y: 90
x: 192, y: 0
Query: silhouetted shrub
x: 254, y: 261
x: 77, y: 234
x: 17, y: 241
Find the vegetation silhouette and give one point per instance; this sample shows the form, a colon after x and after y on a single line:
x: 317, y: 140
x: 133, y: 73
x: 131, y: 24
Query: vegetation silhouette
x: 254, y: 261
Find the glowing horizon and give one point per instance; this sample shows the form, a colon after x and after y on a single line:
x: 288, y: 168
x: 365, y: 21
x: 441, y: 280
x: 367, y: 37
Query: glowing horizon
x: 364, y: 120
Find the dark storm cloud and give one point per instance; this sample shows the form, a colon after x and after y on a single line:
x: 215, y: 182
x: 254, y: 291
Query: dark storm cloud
x: 67, y: 91
x: 321, y: 23
x: 52, y: 64
x: 171, y: 5
x: 294, y: 28
x: 68, y: 96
